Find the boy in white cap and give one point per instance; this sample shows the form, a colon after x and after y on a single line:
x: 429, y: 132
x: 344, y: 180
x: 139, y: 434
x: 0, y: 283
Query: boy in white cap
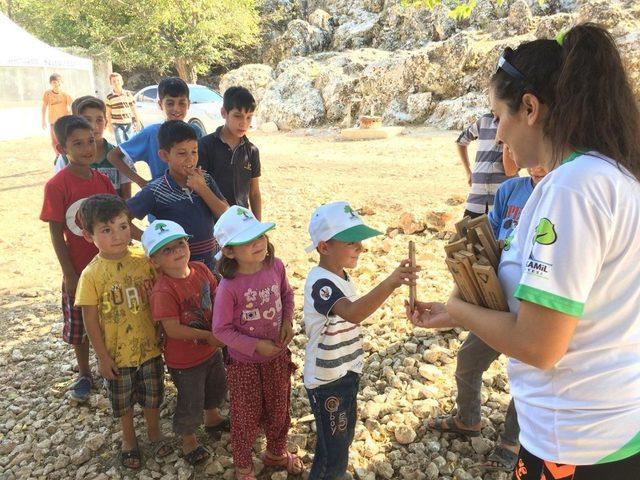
x: 182, y: 301
x: 332, y: 316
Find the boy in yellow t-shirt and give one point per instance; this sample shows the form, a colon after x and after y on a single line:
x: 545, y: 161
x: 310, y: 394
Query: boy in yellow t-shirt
x: 113, y: 292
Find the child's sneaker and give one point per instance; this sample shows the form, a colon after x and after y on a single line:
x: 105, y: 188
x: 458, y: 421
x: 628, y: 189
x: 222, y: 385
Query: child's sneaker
x: 81, y: 389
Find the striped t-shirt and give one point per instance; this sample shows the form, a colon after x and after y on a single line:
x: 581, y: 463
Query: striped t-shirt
x: 488, y: 171
x: 165, y: 199
x: 334, y: 347
x: 120, y: 106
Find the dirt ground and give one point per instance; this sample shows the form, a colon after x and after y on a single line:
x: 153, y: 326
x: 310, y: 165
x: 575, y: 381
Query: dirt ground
x: 417, y: 173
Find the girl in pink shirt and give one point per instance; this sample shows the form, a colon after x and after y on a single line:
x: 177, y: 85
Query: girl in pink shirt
x: 253, y: 315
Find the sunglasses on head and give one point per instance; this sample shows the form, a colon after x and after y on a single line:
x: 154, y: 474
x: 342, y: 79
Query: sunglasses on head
x: 513, y: 72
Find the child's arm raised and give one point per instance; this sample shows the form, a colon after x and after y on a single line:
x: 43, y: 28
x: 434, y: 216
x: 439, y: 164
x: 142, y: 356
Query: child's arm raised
x: 357, y: 311
x: 62, y: 252
x: 116, y: 158
x: 215, y: 201
x: 108, y: 368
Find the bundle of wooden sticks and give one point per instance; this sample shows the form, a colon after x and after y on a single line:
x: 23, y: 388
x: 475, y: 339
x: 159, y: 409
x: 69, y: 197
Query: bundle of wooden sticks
x: 472, y: 257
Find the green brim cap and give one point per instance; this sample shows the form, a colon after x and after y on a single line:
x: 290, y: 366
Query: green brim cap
x: 164, y: 241
x: 356, y: 234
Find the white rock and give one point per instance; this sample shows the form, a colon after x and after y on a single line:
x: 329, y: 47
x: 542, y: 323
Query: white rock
x: 404, y: 434
x: 481, y: 445
x: 95, y: 441
x: 430, y: 372
x: 81, y: 456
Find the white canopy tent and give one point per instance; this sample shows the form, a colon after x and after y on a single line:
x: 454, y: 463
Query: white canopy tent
x: 25, y: 65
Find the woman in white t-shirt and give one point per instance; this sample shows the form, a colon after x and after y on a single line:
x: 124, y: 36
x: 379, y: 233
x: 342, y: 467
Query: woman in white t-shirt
x: 572, y: 270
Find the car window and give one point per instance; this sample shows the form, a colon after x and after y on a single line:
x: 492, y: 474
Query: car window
x: 203, y: 95
x: 149, y: 95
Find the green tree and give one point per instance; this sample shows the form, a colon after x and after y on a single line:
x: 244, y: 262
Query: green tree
x: 190, y: 36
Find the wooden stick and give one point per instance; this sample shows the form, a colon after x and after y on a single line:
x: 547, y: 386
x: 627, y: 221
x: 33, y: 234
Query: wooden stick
x: 490, y: 287
x: 412, y: 263
x: 463, y: 281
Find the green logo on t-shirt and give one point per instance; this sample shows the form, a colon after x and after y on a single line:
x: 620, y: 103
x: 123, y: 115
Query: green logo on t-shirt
x: 507, y: 243
x: 545, y: 232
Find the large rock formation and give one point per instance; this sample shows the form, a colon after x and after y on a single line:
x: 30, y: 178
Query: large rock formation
x: 341, y: 58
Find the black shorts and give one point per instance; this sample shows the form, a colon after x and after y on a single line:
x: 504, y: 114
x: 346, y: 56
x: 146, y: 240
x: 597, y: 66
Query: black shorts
x: 530, y: 467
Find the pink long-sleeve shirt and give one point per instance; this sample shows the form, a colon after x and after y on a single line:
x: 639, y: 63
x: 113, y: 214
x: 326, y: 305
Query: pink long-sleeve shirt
x: 248, y: 308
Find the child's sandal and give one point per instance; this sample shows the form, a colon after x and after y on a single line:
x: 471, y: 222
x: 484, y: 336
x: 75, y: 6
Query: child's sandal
x: 163, y: 447
x: 292, y: 463
x: 197, y: 456
x: 129, y: 457
x: 250, y: 475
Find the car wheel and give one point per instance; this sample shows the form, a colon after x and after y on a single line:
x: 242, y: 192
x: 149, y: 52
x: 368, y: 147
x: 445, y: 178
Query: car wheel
x: 198, y: 125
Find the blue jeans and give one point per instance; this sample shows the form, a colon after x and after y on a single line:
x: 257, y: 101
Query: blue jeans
x: 335, y: 407
x: 123, y: 132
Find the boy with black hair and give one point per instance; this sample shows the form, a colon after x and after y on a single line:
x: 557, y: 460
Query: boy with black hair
x: 64, y: 193
x: 93, y: 110
x: 55, y: 104
x: 173, y: 99
x: 184, y: 193
x: 114, y: 293
x: 228, y: 155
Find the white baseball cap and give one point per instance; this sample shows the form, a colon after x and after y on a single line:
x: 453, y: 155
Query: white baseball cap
x: 159, y: 233
x: 337, y: 221
x: 238, y: 226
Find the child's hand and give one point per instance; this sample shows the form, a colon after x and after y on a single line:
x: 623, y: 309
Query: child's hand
x: 214, y: 342
x: 286, y: 333
x: 108, y: 368
x: 403, y: 275
x: 196, y: 181
x: 429, y: 315
x: 71, y: 284
x: 267, y: 348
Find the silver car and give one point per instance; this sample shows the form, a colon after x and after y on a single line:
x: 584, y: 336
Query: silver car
x: 204, y: 112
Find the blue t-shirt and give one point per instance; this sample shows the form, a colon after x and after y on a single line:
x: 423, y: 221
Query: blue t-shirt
x: 166, y: 200
x: 509, y: 202
x: 144, y: 146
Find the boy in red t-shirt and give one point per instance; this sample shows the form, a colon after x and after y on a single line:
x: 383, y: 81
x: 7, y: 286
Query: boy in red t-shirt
x: 63, y: 196
x: 182, y: 300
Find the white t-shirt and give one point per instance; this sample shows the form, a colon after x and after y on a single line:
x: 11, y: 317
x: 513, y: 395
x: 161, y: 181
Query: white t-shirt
x: 576, y: 250
x: 335, y: 345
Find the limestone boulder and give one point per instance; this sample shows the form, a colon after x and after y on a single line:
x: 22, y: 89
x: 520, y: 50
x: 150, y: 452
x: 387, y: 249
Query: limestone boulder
x: 458, y: 113
x: 300, y: 39
x: 256, y: 77
x: 292, y: 101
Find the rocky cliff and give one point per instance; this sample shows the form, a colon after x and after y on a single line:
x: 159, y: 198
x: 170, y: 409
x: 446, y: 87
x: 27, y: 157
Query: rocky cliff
x: 328, y: 61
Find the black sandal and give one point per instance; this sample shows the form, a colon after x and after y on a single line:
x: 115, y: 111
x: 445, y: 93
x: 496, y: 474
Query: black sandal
x: 451, y: 426
x: 197, y: 456
x: 504, y: 459
x: 130, y: 455
x: 215, y: 431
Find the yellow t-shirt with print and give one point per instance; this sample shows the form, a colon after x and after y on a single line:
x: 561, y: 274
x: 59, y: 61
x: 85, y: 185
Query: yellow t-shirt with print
x: 121, y: 290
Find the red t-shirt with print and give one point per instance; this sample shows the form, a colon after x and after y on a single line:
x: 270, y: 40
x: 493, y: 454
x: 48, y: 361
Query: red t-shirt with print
x: 190, y: 300
x: 63, y: 196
